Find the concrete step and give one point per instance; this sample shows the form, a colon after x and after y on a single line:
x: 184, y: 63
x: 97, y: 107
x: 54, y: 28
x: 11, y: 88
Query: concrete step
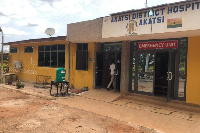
x: 162, y: 101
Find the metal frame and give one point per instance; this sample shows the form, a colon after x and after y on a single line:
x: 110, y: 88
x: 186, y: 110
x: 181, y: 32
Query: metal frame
x: 103, y: 52
x: 28, y: 51
x: 84, y: 51
x: 177, y: 68
x: 12, y: 48
x: 97, y: 45
x: 51, y: 51
x: 96, y: 70
x: 177, y: 59
x: 136, y: 74
x: 63, y: 85
x: 115, y: 79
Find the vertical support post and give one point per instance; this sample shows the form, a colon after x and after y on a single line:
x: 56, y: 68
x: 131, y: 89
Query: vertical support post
x: 94, y: 64
x: 68, y: 64
x: 125, y: 67
x: 2, y: 59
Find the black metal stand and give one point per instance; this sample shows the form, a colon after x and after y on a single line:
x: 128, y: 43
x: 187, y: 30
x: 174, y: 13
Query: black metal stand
x: 64, y: 84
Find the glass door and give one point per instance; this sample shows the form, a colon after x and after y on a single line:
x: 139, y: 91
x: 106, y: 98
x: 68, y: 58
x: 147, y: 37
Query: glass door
x: 171, y: 75
x: 161, y: 70
x: 145, y: 75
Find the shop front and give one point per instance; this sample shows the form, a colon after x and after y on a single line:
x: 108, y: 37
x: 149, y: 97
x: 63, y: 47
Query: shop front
x: 158, y: 56
x: 159, y: 68
x: 154, y: 49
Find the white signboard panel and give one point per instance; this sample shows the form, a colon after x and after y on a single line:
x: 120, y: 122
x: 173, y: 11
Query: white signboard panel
x: 170, y: 18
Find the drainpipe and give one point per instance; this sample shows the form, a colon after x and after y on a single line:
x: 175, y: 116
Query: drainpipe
x: 68, y: 64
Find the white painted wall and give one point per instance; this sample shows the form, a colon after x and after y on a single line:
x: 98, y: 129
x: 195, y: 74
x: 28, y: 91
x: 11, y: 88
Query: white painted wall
x: 189, y: 13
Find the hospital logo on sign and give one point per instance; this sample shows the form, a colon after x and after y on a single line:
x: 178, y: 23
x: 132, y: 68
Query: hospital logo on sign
x: 131, y: 28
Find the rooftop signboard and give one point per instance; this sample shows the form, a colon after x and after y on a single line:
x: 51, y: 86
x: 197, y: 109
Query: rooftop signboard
x: 181, y: 16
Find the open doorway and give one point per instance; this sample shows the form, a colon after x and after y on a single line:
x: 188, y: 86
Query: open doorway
x: 110, y: 58
x: 106, y: 55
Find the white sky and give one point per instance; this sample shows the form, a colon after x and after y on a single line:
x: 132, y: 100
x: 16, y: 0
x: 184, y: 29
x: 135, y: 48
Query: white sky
x: 28, y: 19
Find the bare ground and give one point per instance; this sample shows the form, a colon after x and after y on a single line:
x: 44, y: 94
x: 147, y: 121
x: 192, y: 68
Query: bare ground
x: 22, y: 113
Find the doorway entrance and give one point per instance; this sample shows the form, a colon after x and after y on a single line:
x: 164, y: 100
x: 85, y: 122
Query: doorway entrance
x: 110, y: 58
x: 109, y: 54
x: 156, y: 73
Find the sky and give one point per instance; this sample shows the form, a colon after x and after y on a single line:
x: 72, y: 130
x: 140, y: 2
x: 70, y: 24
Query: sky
x: 28, y: 19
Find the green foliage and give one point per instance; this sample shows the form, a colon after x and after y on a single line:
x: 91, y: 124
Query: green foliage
x: 133, y: 69
x: 182, y: 70
x: 133, y: 75
x: 19, y: 84
x: 6, y: 59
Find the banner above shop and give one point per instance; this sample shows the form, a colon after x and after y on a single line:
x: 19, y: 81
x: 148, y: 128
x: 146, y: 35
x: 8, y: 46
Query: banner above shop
x: 158, y: 45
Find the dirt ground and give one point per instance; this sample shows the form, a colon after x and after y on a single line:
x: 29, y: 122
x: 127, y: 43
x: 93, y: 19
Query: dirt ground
x: 32, y: 109
x: 22, y: 113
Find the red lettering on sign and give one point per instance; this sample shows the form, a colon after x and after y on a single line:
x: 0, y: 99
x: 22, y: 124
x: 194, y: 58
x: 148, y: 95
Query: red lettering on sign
x: 158, y: 45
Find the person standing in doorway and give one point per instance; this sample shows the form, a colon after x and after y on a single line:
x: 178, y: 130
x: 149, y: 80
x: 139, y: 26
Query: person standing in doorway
x: 112, y: 74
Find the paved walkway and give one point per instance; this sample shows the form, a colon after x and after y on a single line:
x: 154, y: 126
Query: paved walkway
x: 151, y: 112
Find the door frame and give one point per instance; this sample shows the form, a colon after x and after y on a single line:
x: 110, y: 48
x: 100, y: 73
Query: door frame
x: 102, y: 50
x: 115, y: 52
x: 136, y: 73
x: 96, y: 69
x: 119, y: 72
x: 172, y: 70
x: 177, y: 69
x: 177, y: 58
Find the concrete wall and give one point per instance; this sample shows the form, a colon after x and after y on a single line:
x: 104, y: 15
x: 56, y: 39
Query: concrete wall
x: 30, y: 69
x: 193, y: 71
x: 30, y: 62
x: 85, y: 31
x: 79, y: 78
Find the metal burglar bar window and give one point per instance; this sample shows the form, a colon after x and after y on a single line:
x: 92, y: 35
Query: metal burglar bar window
x: 82, y: 56
x: 52, y: 56
x: 28, y: 49
x: 13, y: 50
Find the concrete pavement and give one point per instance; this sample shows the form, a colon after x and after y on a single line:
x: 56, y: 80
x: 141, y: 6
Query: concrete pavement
x: 161, y: 116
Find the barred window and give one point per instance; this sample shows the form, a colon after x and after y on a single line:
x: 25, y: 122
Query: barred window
x: 82, y: 56
x: 28, y: 49
x: 13, y: 50
x: 52, y: 56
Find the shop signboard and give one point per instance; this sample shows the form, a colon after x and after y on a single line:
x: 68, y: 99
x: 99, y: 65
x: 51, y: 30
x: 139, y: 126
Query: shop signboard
x: 158, y: 45
x: 181, y: 16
